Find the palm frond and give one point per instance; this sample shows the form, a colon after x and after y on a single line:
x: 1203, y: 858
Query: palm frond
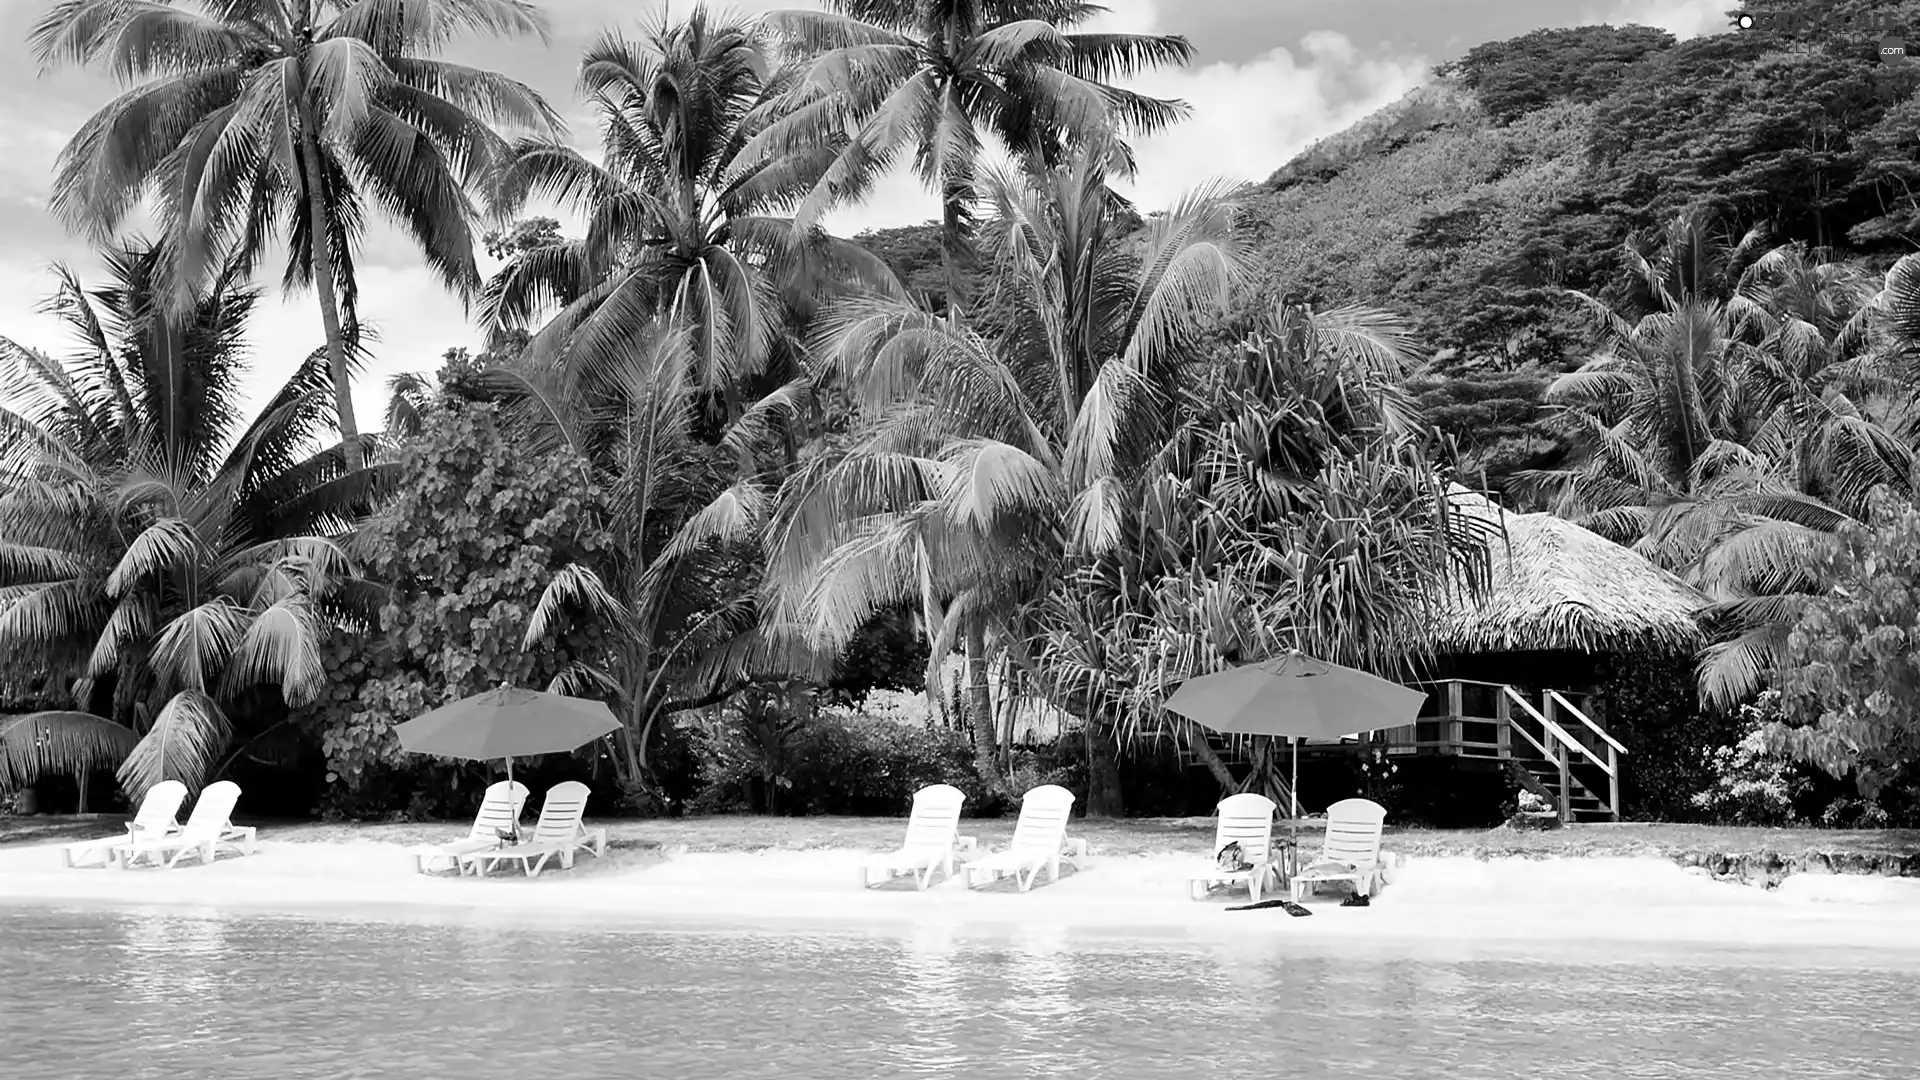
x: 185, y: 742
x: 33, y: 745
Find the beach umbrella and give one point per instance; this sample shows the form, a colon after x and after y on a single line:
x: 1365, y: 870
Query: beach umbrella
x: 507, y: 722
x: 1296, y: 697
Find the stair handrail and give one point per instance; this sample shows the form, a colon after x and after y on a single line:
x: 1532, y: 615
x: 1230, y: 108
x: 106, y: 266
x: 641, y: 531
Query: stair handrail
x: 1584, y: 719
x: 1555, y: 730
x: 1528, y: 735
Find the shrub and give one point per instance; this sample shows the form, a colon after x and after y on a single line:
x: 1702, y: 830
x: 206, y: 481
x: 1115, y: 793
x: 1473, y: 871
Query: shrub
x: 1752, y: 785
x: 1849, y: 680
x: 831, y: 763
x: 1650, y: 702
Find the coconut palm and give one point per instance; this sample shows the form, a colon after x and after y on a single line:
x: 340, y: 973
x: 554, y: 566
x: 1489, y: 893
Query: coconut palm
x: 253, y: 122
x: 1729, y: 433
x: 162, y: 565
x: 678, y: 584
x: 939, y: 79
x: 682, y: 225
x: 975, y: 466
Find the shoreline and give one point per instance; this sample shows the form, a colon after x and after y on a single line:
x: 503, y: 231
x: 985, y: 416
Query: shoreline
x: 1446, y: 903
x: 1759, y: 856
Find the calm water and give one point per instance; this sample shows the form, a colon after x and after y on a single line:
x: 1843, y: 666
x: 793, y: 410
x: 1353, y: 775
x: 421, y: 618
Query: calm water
x: 136, y: 994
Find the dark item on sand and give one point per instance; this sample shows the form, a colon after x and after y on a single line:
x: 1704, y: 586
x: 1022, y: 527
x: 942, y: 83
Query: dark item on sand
x: 1232, y: 858
x: 1356, y: 900
x: 1287, y: 906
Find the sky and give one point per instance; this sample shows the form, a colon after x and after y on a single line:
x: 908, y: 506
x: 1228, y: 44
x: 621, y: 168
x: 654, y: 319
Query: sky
x: 1269, y: 77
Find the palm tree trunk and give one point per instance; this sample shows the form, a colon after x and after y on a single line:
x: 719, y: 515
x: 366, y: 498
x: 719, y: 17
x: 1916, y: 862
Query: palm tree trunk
x: 980, y: 700
x: 956, y: 249
x: 1103, y: 769
x: 320, y: 230
x: 1204, y: 751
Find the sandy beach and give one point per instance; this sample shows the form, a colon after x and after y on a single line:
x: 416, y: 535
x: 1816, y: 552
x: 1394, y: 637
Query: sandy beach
x: 1443, y: 902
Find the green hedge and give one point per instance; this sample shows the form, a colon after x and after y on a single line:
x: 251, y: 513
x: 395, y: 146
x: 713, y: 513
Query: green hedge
x: 829, y: 765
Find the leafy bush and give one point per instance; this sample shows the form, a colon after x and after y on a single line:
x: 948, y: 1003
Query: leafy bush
x: 1751, y: 784
x: 477, y: 528
x: 1651, y: 703
x: 760, y: 760
x: 1850, y: 682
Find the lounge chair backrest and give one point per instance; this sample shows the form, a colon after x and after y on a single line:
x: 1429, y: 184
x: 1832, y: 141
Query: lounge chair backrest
x: 499, y: 810
x: 1245, y: 819
x: 936, y: 817
x: 212, y: 811
x: 160, y: 810
x: 1353, y: 831
x: 560, y: 815
x: 1043, y: 819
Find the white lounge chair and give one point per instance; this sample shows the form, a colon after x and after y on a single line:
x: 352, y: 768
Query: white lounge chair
x: 1039, y: 838
x: 933, y: 832
x: 499, y: 813
x: 1352, y: 849
x: 559, y: 833
x: 1245, y: 819
x: 209, y: 828
x: 158, y: 816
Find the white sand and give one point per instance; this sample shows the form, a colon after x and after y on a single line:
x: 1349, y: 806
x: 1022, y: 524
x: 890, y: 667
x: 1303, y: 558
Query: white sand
x: 1442, y: 903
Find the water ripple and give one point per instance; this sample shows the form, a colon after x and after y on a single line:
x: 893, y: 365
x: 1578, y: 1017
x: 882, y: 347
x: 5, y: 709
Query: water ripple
x: 135, y: 995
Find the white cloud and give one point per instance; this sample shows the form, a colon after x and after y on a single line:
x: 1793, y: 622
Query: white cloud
x: 1249, y: 119
x: 1681, y: 18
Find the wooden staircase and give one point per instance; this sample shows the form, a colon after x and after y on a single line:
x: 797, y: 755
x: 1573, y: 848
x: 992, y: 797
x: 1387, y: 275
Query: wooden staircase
x: 1570, y: 760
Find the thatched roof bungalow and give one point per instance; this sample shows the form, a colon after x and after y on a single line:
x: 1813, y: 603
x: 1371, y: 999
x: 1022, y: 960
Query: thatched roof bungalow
x: 1558, y: 593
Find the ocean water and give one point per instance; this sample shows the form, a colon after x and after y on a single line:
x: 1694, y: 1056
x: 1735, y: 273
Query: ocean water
x: 130, y: 994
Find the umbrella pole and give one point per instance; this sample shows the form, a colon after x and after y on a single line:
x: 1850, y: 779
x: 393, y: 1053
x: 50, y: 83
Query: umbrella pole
x: 516, y: 817
x: 1293, y: 785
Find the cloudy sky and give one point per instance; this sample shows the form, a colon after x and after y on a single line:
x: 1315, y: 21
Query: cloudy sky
x: 1269, y: 78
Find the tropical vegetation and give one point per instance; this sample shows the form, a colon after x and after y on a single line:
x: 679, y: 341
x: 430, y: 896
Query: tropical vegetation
x: 168, y: 573
x: 1031, y: 464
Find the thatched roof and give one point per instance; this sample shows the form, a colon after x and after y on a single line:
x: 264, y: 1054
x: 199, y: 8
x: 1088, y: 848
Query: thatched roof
x: 1557, y: 586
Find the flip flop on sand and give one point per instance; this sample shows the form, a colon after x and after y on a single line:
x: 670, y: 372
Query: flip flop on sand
x: 1356, y: 900
x: 1288, y: 906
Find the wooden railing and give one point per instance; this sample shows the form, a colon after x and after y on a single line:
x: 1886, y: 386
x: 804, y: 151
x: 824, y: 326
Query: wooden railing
x: 1461, y: 727
x: 1609, y: 747
x: 1470, y: 718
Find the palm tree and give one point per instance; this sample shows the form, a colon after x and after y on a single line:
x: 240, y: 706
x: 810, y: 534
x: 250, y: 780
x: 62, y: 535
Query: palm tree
x: 252, y: 122
x: 1730, y: 432
x: 166, y: 570
x: 681, y: 220
x: 976, y: 466
x: 678, y: 585
x: 939, y: 78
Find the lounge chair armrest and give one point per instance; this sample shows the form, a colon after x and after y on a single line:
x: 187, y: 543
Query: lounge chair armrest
x: 966, y: 843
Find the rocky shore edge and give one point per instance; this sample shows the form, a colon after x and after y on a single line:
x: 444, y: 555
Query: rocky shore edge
x: 1767, y: 869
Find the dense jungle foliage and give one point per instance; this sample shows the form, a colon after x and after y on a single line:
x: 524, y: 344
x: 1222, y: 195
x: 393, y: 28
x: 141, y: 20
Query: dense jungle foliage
x: 1029, y: 465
